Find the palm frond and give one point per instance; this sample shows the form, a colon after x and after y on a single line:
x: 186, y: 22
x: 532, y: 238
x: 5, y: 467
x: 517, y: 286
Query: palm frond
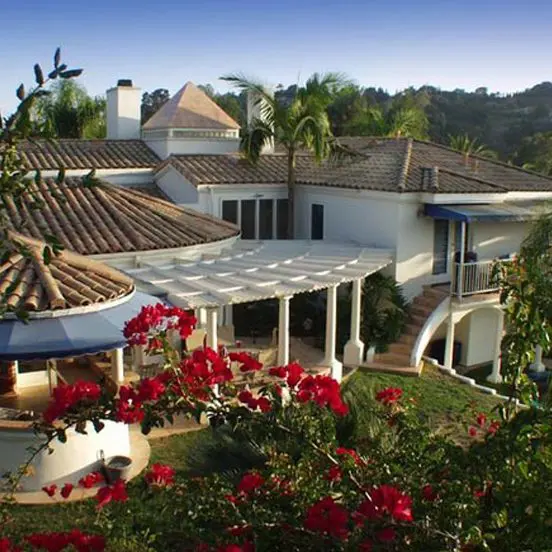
x: 255, y: 137
x: 245, y: 84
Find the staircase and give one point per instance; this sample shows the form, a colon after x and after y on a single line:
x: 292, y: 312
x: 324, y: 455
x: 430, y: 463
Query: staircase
x: 397, y: 359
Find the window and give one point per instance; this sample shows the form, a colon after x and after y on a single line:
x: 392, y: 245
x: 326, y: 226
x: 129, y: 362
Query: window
x: 317, y: 222
x: 230, y: 211
x: 440, y: 246
x: 248, y: 219
x: 281, y: 219
x: 266, y: 219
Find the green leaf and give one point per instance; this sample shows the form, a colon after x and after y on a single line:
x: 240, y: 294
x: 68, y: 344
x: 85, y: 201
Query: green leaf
x: 98, y: 425
x: 57, y: 57
x: 38, y: 178
x: 61, y: 435
x: 53, y: 74
x: 47, y: 255
x: 70, y: 74
x: 20, y: 93
x: 39, y: 75
x: 60, y: 176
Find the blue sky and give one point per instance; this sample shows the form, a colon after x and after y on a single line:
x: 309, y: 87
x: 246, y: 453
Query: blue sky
x: 504, y: 45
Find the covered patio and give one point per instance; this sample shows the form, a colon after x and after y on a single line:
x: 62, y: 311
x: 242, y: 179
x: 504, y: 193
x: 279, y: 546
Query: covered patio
x: 255, y: 271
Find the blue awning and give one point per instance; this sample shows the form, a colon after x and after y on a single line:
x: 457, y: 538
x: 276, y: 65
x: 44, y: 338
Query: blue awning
x: 70, y: 335
x: 499, y: 212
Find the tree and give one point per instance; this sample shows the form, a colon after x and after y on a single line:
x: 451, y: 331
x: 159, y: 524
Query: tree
x: 535, y: 153
x: 153, y: 102
x: 396, y: 122
x: 299, y: 124
x: 69, y: 112
x: 469, y: 146
x: 14, y: 176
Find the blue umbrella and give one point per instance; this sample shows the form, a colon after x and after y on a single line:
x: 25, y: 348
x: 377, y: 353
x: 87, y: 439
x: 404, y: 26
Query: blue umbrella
x: 70, y: 335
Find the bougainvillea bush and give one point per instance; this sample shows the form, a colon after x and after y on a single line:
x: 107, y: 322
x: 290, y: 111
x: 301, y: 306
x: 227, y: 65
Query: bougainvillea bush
x: 320, y: 484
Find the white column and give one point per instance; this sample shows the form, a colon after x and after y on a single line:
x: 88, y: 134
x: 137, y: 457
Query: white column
x: 495, y: 376
x: 449, y: 344
x: 538, y: 365
x: 228, y: 315
x: 117, y: 365
x: 354, y: 348
x: 201, y: 318
x: 331, y: 329
x: 212, y: 337
x: 52, y: 374
x: 283, y: 331
x: 460, y: 272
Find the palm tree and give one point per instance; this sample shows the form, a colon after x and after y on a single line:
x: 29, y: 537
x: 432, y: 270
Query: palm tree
x: 468, y: 146
x: 408, y: 122
x: 299, y: 124
x: 69, y: 112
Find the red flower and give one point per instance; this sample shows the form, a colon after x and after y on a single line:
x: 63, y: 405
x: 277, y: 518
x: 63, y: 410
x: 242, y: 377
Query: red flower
x: 116, y: 492
x: 51, y: 490
x: 472, y: 431
x: 248, y: 363
x: 246, y: 397
x: 481, y: 420
x: 7, y: 546
x: 88, y: 481
x: 55, y: 542
x: 341, y: 451
x: 245, y: 547
x: 66, y: 490
x: 294, y: 374
x: 429, y: 493
x: 232, y: 499
x: 386, y: 500
x: 264, y: 404
x: 278, y: 371
x: 334, y: 474
x: 386, y: 535
x: 128, y: 412
x: 493, y: 427
x: 389, y: 395
x: 65, y: 397
x: 250, y: 482
x: 160, y: 475
x: 150, y: 389
x: 324, y: 391
x: 329, y: 518
x: 366, y: 546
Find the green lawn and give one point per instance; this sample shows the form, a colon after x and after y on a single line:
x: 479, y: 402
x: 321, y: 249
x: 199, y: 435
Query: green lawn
x: 444, y: 401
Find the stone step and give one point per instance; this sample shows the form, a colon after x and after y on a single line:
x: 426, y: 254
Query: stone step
x: 400, y: 348
x: 430, y: 303
x: 407, y: 339
x: 396, y: 359
x: 412, y: 329
x: 420, y: 310
x: 389, y: 369
x: 418, y: 320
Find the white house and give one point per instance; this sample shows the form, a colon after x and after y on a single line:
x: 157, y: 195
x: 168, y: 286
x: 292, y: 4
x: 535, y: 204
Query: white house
x: 445, y: 216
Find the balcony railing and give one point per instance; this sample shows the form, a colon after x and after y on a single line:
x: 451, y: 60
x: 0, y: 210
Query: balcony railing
x: 475, y: 277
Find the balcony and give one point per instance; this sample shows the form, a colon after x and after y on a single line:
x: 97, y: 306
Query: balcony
x: 474, y: 277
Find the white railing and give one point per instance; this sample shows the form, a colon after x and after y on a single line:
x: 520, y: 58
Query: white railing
x: 472, y: 278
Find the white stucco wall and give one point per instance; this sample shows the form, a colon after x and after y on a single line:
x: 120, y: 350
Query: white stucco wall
x: 493, y: 239
x: 482, y: 327
x: 70, y: 461
x: 176, y: 187
x: 164, y: 147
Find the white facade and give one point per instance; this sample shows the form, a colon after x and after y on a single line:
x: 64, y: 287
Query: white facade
x: 192, y: 142
x: 123, y: 113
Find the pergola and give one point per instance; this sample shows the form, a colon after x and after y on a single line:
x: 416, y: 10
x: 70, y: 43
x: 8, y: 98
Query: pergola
x: 253, y: 271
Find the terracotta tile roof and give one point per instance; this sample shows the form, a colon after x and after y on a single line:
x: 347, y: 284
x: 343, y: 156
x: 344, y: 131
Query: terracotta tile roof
x: 88, y: 154
x: 191, y: 108
x: 104, y: 219
x: 68, y: 280
x: 233, y: 168
x: 386, y: 164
